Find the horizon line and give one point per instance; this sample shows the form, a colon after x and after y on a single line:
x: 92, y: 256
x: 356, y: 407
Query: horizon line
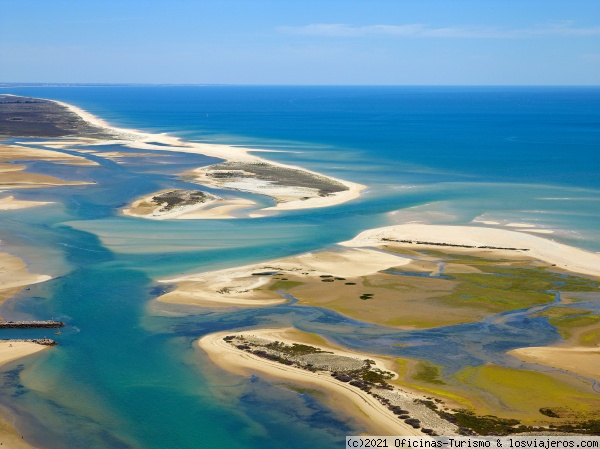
x: 6, y: 84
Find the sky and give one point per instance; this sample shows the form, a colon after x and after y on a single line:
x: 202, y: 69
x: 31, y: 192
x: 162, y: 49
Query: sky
x: 337, y: 42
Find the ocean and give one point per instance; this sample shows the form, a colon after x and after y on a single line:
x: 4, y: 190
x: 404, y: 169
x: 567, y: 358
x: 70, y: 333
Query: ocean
x: 126, y: 374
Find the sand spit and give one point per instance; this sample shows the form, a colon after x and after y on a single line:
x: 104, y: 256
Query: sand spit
x: 483, y: 239
x: 243, y: 285
x: 9, y: 153
x: 291, y: 186
x: 583, y: 361
x: 10, y: 351
x: 14, y: 276
x: 186, y: 205
x: 14, y: 175
x: 10, y: 203
x: 366, y: 408
x: 13, y: 350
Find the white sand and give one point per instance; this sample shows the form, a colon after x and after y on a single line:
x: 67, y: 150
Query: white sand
x: 215, y: 208
x: 580, y: 360
x: 9, y: 351
x: 293, y: 195
x: 14, y: 274
x: 13, y: 350
x: 238, y: 286
x: 563, y: 256
x: 10, y: 203
x: 364, y: 407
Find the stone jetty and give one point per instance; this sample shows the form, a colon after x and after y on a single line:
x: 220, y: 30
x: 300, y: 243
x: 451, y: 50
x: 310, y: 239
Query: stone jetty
x: 31, y: 324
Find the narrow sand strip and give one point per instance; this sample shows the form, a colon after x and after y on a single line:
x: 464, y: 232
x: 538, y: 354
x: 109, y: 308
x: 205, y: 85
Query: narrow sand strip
x: 297, y: 199
x: 563, y: 256
x: 241, y: 285
x: 10, y: 203
x: 10, y: 351
x: 580, y: 360
x: 14, y: 276
x: 13, y: 350
x: 365, y: 408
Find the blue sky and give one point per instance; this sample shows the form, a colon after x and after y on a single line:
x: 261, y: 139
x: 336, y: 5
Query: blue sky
x: 476, y: 42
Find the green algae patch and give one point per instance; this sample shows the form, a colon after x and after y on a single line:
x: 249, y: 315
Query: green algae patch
x: 428, y: 373
x: 569, y: 320
x: 590, y: 338
x: 522, y: 393
x: 283, y: 285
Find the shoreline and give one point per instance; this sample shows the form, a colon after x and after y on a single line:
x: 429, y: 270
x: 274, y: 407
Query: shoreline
x: 15, y: 276
x: 9, y: 352
x: 365, y: 254
x: 474, y: 238
x: 242, y: 286
x: 580, y: 360
x: 147, y: 141
x: 376, y: 417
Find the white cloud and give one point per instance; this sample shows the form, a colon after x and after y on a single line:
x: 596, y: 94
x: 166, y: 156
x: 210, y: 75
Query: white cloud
x: 421, y: 30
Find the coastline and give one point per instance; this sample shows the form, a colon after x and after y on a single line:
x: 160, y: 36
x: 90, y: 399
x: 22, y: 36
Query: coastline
x: 377, y: 418
x: 583, y: 361
x: 14, y: 276
x: 9, y: 352
x: 475, y: 238
x: 243, y: 285
x: 295, y: 198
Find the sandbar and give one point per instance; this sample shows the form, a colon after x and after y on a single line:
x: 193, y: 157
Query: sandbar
x: 10, y: 203
x: 291, y: 186
x: 14, y: 176
x: 186, y: 205
x: 243, y: 285
x: 481, y: 239
x: 10, y: 351
x: 14, y: 276
x: 583, y: 361
x: 374, y: 415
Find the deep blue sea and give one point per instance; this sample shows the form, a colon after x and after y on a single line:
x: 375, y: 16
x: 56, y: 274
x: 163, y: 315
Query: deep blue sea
x: 126, y: 373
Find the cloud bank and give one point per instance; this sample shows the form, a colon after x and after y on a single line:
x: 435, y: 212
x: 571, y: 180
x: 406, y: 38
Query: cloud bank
x: 418, y: 30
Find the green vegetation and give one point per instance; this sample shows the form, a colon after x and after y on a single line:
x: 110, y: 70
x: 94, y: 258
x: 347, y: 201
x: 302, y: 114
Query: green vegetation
x: 173, y: 198
x: 568, y: 319
x: 428, y: 372
x: 293, y: 350
x: 483, y: 425
x: 283, y: 285
x: 525, y: 392
x: 591, y: 427
x: 590, y: 338
x: 549, y: 412
x: 276, y: 175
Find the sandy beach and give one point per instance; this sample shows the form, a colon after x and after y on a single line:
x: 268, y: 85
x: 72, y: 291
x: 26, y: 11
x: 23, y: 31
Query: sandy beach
x: 14, y: 175
x: 10, y: 203
x: 213, y: 207
x: 10, y: 351
x: 579, y: 360
x: 288, y: 195
x: 13, y: 350
x: 14, y: 276
x: 243, y: 285
x: 377, y: 419
x: 563, y: 256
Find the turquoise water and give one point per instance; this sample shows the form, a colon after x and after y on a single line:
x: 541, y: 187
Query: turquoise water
x: 125, y: 373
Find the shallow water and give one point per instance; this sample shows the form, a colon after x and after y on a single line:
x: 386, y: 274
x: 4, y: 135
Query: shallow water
x: 124, y: 377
